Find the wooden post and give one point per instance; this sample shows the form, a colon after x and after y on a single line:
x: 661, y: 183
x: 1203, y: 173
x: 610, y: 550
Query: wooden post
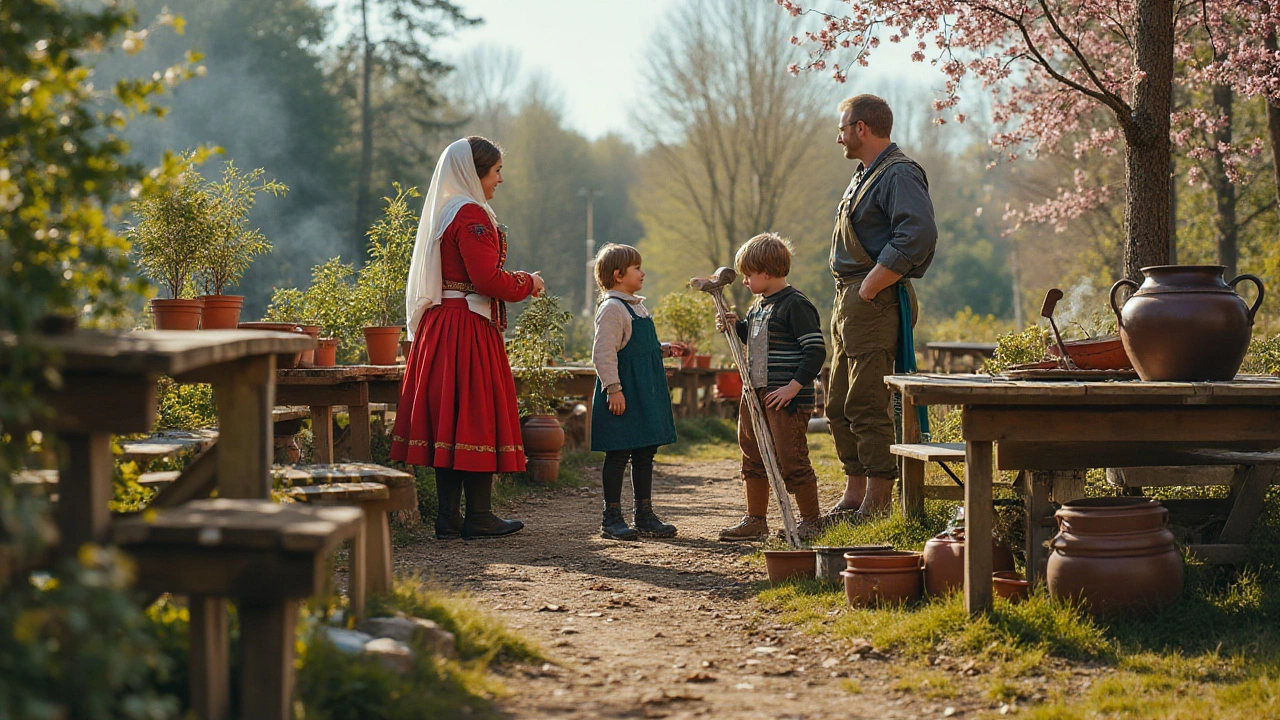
x: 267, y: 638
x: 979, y: 471
x: 910, y: 471
x: 245, y: 392
x: 322, y: 434
x: 1040, y: 522
x: 360, y: 565
x: 359, y: 424
x: 85, y: 492
x: 377, y: 538
x: 209, y: 674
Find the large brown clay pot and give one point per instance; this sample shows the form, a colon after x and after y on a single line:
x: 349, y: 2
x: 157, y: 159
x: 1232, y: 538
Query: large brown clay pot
x: 382, y: 341
x: 220, y: 312
x: 1115, y: 553
x: 944, y: 561
x: 1184, y: 323
x: 176, y: 314
x: 543, y: 437
x: 885, y: 577
x: 787, y: 564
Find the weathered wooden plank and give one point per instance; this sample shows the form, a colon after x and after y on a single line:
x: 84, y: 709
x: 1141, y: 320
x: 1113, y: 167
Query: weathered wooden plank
x: 209, y: 657
x: 339, y: 374
x: 267, y: 641
x: 167, y: 444
x: 1172, y: 476
x: 930, y: 452
x: 167, y: 352
x: 361, y: 431
x: 1070, y: 455
x: 322, y: 433
x: 104, y: 402
x: 343, y: 473
x: 1248, y: 493
x: 1040, y: 523
x: 347, y: 393
x: 340, y: 492
x: 227, y: 572
x: 229, y: 523
x: 197, y: 481
x: 912, y: 491
x: 84, y: 490
x: 1149, y: 423
x: 978, y: 517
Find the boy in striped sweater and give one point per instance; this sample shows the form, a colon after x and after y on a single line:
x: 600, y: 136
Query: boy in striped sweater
x: 785, y: 352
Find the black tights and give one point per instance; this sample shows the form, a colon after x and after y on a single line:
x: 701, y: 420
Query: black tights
x: 615, y: 466
x: 460, y: 477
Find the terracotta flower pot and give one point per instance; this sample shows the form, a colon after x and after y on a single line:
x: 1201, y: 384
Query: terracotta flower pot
x: 1185, y: 324
x: 327, y: 352
x: 543, y: 438
x: 1010, y: 585
x: 1106, y: 353
x: 688, y: 360
x: 829, y: 561
x: 405, y: 347
x: 787, y: 564
x: 381, y: 342
x: 729, y: 384
x: 283, y: 362
x: 1116, y: 554
x: 221, y: 312
x: 702, y: 361
x: 874, y: 586
x: 308, y: 358
x: 944, y: 562
x: 882, y: 560
x: 176, y: 314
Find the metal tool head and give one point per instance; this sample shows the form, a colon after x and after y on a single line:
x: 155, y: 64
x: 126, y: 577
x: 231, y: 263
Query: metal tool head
x: 1051, y: 299
x: 720, y: 278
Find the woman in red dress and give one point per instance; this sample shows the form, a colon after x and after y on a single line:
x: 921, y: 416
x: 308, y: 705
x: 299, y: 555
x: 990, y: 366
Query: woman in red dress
x: 457, y: 410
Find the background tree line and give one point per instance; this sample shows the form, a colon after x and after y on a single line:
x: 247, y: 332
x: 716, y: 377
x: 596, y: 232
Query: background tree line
x: 725, y: 143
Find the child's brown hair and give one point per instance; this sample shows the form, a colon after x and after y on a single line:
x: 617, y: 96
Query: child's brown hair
x: 766, y: 253
x: 614, y: 258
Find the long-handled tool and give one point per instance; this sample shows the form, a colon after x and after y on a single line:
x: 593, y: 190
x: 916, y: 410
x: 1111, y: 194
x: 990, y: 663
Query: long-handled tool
x: 714, y: 286
x: 1051, y: 299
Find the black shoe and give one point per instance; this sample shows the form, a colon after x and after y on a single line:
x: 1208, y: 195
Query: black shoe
x: 648, y: 524
x: 613, y: 526
x: 448, y: 495
x: 480, y: 521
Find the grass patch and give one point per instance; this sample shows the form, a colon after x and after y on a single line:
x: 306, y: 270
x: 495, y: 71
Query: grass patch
x: 704, y: 438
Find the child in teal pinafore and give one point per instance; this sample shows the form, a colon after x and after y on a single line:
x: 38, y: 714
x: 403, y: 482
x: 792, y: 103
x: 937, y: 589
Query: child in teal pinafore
x: 632, y: 415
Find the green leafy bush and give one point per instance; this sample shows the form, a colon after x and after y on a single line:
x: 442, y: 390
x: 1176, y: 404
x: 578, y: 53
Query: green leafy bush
x: 328, y: 302
x: 687, y: 316
x: 1263, y: 356
x: 379, y: 293
x: 537, y: 340
x: 232, y: 245
x: 1016, y: 348
x: 185, y: 406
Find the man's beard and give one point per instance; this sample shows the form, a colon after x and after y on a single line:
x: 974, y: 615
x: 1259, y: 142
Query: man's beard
x: 850, y: 147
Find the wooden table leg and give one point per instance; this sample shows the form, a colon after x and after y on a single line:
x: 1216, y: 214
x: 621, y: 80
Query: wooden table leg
x: 1039, y: 522
x: 361, y: 439
x: 590, y: 405
x: 267, y: 638
x: 322, y: 434
x: 910, y: 471
x: 85, y: 479
x: 377, y: 538
x: 978, y: 472
x: 209, y: 672
x: 246, y: 394
x: 360, y: 565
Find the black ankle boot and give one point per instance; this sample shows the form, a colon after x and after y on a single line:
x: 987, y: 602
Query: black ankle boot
x: 614, y: 526
x: 648, y: 524
x: 448, y: 495
x: 480, y: 521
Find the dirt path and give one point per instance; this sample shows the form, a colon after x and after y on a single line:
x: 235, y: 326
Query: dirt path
x: 655, y: 628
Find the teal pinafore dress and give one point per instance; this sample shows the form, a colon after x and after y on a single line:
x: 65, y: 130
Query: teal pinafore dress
x: 647, y: 419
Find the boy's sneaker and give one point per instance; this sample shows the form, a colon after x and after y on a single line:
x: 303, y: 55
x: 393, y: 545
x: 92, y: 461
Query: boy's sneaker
x: 614, y: 526
x: 749, y: 527
x: 648, y: 524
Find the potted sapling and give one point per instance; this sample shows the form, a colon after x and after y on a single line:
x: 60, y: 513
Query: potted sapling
x: 688, y: 317
x: 379, y: 292
x: 538, y: 339
x: 173, y: 224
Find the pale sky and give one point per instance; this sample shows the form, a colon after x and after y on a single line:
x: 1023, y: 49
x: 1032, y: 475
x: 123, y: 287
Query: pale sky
x: 592, y: 50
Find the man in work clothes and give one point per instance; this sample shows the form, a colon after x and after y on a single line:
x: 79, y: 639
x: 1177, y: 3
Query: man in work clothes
x: 884, y: 235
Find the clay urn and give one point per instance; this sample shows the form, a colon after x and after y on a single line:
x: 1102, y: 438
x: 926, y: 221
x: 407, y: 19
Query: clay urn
x: 944, y: 561
x: 882, y: 577
x: 1116, y: 554
x: 787, y: 564
x: 1184, y: 323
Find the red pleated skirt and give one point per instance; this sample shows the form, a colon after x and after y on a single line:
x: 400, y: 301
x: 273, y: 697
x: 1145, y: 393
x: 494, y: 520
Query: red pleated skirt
x: 458, y: 399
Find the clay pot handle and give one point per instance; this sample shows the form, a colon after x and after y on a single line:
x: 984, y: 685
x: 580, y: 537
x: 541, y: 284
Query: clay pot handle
x: 1256, y: 303
x: 1133, y: 286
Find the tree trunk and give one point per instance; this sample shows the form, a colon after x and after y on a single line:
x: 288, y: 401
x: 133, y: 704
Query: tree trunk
x: 1273, y: 127
x: 365, y: 178
x: 1224, y: 192
x: 1173, y: 209
x: 1147, y: 144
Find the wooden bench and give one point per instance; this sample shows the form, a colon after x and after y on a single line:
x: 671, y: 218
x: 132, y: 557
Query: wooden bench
x: 263, y: 555
x: 167, y: 444
x: 913, y: 458
x: 401, y: 494
x: 371, y: 498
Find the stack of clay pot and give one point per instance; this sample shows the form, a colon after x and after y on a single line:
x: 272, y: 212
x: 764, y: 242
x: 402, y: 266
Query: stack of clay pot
x: 882, y: 577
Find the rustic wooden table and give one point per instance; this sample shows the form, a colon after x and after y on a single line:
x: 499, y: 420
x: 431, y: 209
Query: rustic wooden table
x: 355, y: 386
x: 1048, y: 426
x: 109, y: 387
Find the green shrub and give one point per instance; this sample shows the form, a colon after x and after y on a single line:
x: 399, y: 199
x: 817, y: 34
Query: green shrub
x: 1263, y: 356
x: 687, y: 316
x: 185, y: 406
x: 1016, y: 348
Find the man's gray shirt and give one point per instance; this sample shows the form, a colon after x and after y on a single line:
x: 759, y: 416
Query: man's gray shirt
x: 894, y: 221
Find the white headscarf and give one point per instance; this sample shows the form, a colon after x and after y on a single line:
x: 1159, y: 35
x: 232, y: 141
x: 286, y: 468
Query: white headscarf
x: 454, y: 184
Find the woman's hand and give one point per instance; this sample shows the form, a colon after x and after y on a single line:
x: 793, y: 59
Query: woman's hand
x: 617, y: 403
x: 539, y: 285
x: 678, y: 349
x: 730, y: 317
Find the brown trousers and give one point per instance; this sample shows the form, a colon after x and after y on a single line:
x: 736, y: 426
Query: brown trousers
x: 791, y: 447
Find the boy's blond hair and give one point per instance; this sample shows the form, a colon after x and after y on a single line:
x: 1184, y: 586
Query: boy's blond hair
x: 614, y: 258
x: 766, y: 253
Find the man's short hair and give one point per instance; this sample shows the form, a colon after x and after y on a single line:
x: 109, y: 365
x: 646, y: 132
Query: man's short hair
x: 766, y: 253
x: 872, y: 111
x: 614, y: 258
